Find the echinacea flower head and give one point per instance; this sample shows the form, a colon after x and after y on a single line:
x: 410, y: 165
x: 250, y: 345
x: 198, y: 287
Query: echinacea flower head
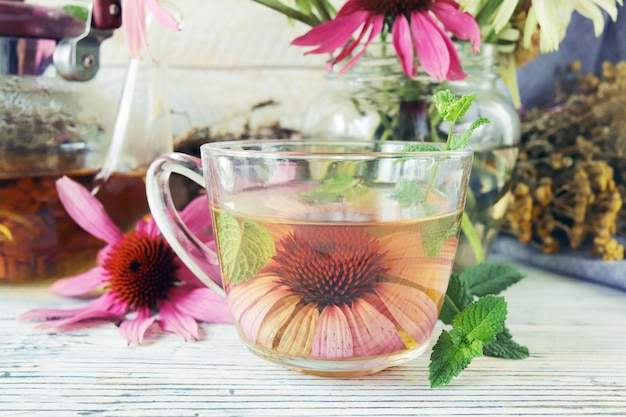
x: 339, y: 292
x: 418, y: 28
x: 137, y: 274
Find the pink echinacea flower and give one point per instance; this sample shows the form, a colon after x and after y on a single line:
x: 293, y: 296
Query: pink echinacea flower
x: 138, y: 273
x: 419, y: 27
x: 335, y: 293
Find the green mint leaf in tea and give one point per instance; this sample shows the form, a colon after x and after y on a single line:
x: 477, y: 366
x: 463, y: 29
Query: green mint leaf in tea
x: 436, y: 234
x: 457, y: 298
x: 505, y: 347
x: 408, y: 192
x: 335, y: 188
x: 450, y: 355
x: 460, y: 140
x: 483, y: 319
x: 490, y: 278
x: 245, y: 247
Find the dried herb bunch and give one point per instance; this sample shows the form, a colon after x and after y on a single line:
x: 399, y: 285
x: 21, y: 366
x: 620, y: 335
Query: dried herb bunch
x: 570, y: 180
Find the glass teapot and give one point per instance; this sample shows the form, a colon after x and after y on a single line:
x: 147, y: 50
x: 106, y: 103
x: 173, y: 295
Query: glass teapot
x: 56, y: 120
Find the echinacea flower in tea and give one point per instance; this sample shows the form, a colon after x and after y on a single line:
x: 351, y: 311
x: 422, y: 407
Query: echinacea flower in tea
x: 137, y: 273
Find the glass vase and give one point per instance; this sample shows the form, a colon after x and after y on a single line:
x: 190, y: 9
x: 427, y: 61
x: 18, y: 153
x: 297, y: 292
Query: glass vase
x: 375, y: 100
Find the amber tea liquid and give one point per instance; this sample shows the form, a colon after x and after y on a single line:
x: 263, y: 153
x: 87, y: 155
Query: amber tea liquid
x: 352, y: 283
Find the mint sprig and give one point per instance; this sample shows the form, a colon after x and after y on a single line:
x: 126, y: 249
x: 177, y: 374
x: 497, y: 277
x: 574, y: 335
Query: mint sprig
x: 474, y: 327
x: 477, y: 317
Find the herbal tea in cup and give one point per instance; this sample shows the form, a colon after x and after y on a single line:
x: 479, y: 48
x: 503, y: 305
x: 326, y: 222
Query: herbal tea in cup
x: 334, y: 257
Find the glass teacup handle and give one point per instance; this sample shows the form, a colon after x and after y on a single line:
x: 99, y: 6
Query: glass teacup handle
x: 187, y: 246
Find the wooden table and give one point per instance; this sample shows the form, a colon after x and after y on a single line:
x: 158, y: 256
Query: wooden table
x: 576, y: 332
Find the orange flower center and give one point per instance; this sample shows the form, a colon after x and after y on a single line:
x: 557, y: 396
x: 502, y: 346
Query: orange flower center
x: 394, y: 7
x: 142, y: 270
x: 329, y: 265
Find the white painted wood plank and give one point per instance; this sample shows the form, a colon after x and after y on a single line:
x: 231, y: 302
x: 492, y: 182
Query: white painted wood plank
x: 573, y: 328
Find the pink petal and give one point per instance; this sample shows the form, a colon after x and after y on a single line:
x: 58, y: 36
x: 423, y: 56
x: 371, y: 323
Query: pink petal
x: 80, y: 284
x: 134, y: 330
x: 332, y: 339
x: 202, y: 304
x: 376, y: 26
x: 87, y: 211
x: 462, y: 25
x: 332, y: 34
x: 413, y: 310
x: 161, y: 16
x: 196, y: 215
x: 173, y: 320
x: 134, y: 18
x: 251, y: 301
x: 276, y: 319
x: 372, y: 332
x: 455, y: 71
x: 185, y: 275
x: 430, y: 46
x: 148, y: 227
x: 298, y: 335
x: 403, y: 45
x: 405, y: 260
x: 106, y: 306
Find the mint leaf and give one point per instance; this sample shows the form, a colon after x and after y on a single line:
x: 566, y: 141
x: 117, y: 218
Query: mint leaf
x: 436, y: 233
x: 460, y: 140
x: 420, y: 147
x: 407, y: 192
x: 244, y: 248
x: 336, y: 187
x: 478, y: 324
x: 456, y: 299
x: 450, y: 355
x: 504, y: 347
x: 451, y: 108
x: 483, y: 319
x: 490, y: 278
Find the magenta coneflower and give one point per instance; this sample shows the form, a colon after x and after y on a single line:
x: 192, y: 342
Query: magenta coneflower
x: 138, y: 273
x: 417, y: 27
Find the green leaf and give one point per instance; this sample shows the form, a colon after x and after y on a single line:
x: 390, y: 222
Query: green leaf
x: 450, y: 355
x: 450, y: 107
x: 456, y: 299
x: 420, y: 147
x: 244, y: 248
x: 460, y: 140
x: 505, y: 347
x: 336, y: 187
x: 490, y: 277
x: 483, y: 319
x: 408, y: 192
x: 435, y: 234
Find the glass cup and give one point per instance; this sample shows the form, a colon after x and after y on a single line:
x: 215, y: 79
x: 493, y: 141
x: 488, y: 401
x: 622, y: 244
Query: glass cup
x: 334, y: 257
